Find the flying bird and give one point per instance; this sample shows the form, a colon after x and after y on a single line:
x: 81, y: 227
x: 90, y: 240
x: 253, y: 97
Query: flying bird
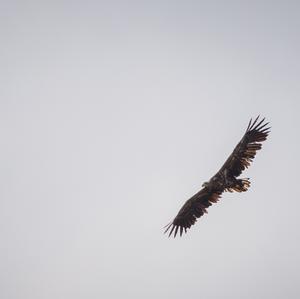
x: 226, y: 179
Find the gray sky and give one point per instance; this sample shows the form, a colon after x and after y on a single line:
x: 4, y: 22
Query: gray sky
x: 113, y: 113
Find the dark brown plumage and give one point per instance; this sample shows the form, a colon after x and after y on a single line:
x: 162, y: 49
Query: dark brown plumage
x: 224, y: 180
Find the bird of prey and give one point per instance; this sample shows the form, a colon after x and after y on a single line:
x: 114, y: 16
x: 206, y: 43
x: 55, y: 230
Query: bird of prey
x: 226, y: 179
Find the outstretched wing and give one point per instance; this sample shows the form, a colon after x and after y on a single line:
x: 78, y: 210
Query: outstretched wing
x: 193, y: 208
x: 245, y: 151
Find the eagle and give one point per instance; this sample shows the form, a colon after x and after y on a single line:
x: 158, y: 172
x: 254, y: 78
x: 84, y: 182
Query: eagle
x: 226, y: 179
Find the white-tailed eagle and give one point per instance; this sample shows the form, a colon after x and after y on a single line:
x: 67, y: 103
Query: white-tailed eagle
x: 226, y: 179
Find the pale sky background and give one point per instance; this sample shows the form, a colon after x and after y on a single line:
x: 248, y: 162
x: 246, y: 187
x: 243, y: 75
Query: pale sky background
x: 113, y: 113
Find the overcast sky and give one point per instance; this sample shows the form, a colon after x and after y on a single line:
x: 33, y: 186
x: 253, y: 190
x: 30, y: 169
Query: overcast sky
x: 113, y: 113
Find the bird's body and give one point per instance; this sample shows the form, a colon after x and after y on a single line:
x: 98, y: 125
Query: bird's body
x: 226, y: 179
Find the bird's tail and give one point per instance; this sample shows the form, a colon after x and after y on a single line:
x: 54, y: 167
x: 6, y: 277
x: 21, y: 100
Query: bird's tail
x: 242, y: 185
